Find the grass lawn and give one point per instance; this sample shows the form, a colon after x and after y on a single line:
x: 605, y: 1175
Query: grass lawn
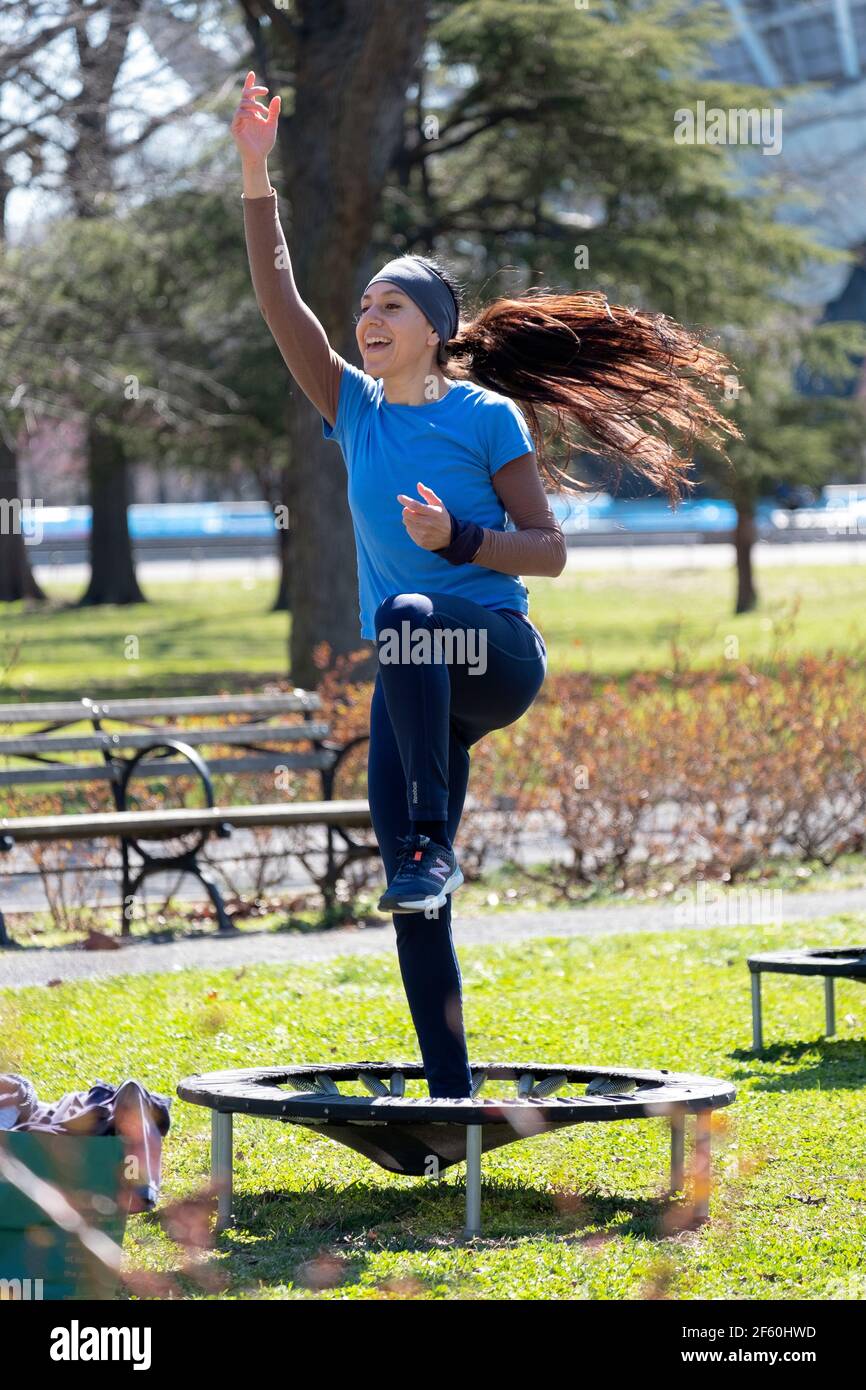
x: 579, y: 1214
x: 198, y: 638
x: 619, y: 624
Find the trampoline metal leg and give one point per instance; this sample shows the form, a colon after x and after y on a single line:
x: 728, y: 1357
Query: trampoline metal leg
x: 221, y: 1166
x: 678, y: 1151
x: 701, y: 1171
x: 829, y: 1006
x: 473, y: 1181
x: 757, y: 1030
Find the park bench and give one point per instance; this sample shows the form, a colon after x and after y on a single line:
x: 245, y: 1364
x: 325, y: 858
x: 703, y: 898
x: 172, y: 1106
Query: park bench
x: 142, y: 751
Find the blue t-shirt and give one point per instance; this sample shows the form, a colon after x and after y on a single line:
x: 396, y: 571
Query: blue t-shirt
x: 453, y: 445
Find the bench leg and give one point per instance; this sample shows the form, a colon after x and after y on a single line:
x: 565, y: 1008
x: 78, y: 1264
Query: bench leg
x: 221, y: 1166
x: 223, y: 922
x: 473, y: 1181
x: 678, y: 1151
x: 829, y: 1006
x: 4, y: 938
x: 757, y: 1029
x: 701, y: 1164
x: 127, y: 893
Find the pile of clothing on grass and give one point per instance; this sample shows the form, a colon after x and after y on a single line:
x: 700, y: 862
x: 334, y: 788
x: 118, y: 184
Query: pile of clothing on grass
x: 140, y: 1117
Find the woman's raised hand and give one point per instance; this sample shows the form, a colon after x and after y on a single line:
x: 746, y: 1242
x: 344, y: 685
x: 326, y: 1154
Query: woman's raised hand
x: 254, y: 126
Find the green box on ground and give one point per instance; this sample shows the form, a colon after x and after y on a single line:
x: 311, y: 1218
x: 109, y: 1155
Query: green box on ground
x: 88, y: 1170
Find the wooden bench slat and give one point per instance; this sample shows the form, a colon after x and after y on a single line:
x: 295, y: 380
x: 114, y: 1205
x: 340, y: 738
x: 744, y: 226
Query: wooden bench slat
x: 259, y: 762
x: 246, y: 733
x: 111, y: 823
x: 70, y: 710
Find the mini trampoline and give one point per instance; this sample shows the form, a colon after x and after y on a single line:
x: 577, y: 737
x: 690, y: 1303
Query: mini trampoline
x: 423, y: 1136
x: 833, y: 962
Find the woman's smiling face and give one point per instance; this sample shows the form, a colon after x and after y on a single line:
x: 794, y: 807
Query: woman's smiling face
x: 392, y: 332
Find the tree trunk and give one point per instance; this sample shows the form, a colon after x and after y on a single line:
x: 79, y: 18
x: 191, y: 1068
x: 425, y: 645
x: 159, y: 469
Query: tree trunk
x: 89, y: 178
x: 354, y: 64
x: 89, y: 174
x: 744, y: 540
x: 16, y: 576
x: 284, y: 558
x: 112, y: 569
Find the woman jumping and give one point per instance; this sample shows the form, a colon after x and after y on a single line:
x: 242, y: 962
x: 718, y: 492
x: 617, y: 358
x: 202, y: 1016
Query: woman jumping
x: 434, y: 463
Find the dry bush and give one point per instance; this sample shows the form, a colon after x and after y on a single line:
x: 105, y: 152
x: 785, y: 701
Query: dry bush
x: 713, y: 771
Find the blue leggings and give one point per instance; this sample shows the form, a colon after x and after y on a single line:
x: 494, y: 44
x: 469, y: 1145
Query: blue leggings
x: 424, y: 717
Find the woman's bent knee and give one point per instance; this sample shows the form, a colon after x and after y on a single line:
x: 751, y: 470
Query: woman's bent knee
x: 396, y: 608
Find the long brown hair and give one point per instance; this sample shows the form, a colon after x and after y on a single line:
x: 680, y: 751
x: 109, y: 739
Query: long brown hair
x: 605, y: 379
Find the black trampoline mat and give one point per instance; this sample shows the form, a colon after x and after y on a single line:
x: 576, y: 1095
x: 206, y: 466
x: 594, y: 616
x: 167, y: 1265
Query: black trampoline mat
x: 848, y: 962
x: 411, y: 1135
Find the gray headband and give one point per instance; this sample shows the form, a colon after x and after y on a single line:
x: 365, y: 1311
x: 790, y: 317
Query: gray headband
x: 426, y: 289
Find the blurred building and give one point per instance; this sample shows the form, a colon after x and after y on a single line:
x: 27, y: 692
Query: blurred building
x: 816, y: 49
x: 791, y: 41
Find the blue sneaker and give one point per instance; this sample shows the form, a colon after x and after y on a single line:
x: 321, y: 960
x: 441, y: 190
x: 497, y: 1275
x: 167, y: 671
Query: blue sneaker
x: 425, y: 874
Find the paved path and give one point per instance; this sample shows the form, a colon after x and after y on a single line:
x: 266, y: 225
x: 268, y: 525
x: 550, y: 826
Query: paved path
x: 637, y: 555
x: 36, y: 966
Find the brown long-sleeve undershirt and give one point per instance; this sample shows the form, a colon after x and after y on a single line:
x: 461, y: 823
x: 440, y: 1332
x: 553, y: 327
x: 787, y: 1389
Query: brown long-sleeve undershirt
x: 537, y: 547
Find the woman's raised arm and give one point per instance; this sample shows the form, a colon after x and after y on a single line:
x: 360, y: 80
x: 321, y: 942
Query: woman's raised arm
x: 299, y: 335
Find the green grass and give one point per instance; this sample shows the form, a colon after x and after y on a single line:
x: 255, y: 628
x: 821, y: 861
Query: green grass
x: 187, y: 640
x: 578, y: 1214
x: 195, y: 637
x: 617, y: 624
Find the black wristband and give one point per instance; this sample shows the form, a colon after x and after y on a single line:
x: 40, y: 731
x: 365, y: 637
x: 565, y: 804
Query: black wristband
x: 466, y: 538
